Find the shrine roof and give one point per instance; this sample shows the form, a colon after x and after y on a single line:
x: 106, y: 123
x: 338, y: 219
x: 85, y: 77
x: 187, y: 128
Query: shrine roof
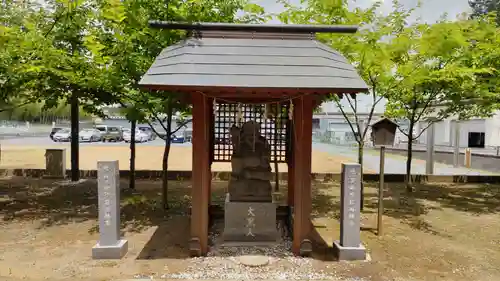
x: 254, y: 61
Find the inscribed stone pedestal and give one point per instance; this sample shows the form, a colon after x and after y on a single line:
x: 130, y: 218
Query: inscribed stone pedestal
x: 55, y: 163
x: 110, y: 245
x: 250, y: 222
x: 349, y: 247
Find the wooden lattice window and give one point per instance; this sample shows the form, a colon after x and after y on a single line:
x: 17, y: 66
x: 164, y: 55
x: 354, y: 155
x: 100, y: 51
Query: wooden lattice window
x: 275, y: 128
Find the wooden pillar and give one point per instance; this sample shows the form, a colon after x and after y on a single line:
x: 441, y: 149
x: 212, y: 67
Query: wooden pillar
x: 291, y: 168
x: 291, y: 186
x: 302, y: 116
x: 210, y: 127
x: 201, y: 176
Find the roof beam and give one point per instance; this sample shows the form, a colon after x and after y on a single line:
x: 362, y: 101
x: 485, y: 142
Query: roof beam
x: 269, y: 28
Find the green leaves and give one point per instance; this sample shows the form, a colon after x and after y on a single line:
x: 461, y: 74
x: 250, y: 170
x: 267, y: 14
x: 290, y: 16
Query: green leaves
x: 482, y: 7
x: 441, y: 72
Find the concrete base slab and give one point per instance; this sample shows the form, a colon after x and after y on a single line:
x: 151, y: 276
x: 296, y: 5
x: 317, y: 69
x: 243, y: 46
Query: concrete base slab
x: 254, y: 260
x: 249, y: 244
x: 54, y: 177
x: 110, y: 252
x: 349, y: 253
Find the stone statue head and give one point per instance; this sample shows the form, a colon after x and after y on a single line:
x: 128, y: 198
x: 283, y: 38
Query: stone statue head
x: 250, y: 128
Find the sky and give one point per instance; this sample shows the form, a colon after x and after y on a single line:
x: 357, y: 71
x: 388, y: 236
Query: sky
x: 430, y: 12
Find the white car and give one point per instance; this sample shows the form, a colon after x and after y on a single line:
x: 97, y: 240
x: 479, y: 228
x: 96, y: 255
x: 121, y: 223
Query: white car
x: 140, y: 136
x: 148, y: 131
x: 62, y: 135
x: 90, y: 135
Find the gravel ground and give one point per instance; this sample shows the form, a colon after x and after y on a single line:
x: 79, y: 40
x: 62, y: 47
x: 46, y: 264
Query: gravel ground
x: 222, y: 263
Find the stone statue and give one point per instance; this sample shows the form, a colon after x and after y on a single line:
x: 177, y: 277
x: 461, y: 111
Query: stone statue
x: 251, y: 170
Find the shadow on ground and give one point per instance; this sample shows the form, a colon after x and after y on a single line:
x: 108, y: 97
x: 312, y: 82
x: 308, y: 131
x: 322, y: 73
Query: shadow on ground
x: 171, y: 237
x: 410, y: 208
x: 46, y: 200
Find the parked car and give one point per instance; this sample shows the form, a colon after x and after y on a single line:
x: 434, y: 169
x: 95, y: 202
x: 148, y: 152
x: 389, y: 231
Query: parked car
x: 188, y: 135
x: 90, y: 135
x: 177, y: 139
x: 126, y: 134
x: 146, y: 129
x: 140, y: 136
x: 110, y: 133
x: 53, y: 131
x: 62, y: 135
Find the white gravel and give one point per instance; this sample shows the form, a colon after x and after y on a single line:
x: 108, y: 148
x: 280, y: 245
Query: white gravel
x: 222, y: 263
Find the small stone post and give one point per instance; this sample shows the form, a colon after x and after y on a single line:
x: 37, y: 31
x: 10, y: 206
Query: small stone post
x: 381, y: 191
x: 110, y: 245
x: 468, y: 158
x: 456, y: 147
x: 429, y: 164
x: 349, y: 247
x: 55, y: 163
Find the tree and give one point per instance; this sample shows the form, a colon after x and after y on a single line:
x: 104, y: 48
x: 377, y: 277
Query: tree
x: 435, y: 78
x: 76, y: 73
x: 132, y: 47
x: 482, y: 7
x: 366, y: 50
x: 23, y: 54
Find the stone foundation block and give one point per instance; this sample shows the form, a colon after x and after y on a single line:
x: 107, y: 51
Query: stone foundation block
x: 110, y: 252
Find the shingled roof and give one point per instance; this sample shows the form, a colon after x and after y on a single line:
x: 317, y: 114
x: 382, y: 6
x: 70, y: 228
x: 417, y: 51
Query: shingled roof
x: 231, y: 59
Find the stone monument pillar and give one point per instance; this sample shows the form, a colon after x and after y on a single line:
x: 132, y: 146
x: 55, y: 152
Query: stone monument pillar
x: 110, y: 245
x: 250, y: 213
x: 55, y: 163
x: 349, y: 247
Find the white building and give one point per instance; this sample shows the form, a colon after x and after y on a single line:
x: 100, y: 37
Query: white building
x: 477, y: 132
x: 334, y: 127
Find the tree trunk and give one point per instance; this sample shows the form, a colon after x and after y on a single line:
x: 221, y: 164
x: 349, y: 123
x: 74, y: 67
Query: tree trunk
x: 164, y: 185
x: 360, y: 162
x: 166, y: 153
x: 133, y: 124
x: 409, y: 157
x: 75, y: 144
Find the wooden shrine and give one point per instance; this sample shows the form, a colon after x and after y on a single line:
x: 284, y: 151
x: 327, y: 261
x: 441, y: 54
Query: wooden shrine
x: 225, y: 68
x: 384, y: 132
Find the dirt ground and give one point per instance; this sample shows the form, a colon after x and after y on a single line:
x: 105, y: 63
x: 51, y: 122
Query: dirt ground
x: 148, y: 158
x: 441, y: 232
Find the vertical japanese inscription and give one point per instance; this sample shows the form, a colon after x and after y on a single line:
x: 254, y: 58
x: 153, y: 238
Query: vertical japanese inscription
x: 109, y: 200
x: 350, y: 213
x: 250, y: 222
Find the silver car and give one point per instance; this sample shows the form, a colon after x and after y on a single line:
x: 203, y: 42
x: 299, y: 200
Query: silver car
x: 140, y: 136
x: 148, y: 132
x: 90, y: 135
x: 62, y: 135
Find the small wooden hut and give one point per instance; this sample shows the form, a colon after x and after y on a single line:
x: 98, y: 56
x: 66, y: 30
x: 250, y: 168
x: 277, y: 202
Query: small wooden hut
x: 253, y: 65
x: 384, y: 132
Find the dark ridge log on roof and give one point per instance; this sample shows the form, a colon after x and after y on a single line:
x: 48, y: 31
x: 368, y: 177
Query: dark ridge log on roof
x: 251, y: 63
x: 273, y: 28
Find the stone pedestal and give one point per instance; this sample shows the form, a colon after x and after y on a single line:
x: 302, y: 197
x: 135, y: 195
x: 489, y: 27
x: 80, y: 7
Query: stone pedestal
x: 110, y: 245
x: 349, y: 247
x: 110, y: 252
x: 55, y: 163
x: 250, y: 222
x: 349, y: 253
